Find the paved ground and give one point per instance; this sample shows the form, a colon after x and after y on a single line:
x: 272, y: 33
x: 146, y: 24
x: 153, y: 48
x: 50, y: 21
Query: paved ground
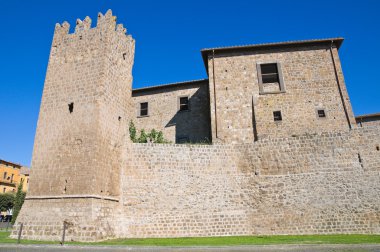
x: 265, y: 248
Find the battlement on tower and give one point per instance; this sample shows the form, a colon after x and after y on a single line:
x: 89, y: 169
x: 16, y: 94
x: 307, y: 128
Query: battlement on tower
x: 89, y: 43
x: 105, y: 23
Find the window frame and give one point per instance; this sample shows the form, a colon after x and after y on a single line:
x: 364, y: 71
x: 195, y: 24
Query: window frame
x: 179, y: 103
x: 139, y: 109
x: 260, y: 78
x: 324, y: 111
x: 274, y: 116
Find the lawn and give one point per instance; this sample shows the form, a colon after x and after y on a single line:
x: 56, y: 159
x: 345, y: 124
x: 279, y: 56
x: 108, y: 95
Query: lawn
x: 223, y: 241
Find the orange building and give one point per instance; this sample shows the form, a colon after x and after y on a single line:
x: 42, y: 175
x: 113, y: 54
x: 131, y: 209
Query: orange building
x: 11, y: 175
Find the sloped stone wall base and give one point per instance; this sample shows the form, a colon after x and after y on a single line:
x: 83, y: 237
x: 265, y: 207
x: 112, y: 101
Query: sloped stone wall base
x: 87, y: 219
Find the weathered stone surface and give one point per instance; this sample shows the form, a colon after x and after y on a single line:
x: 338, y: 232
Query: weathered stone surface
x: 302, y: 176
x: 321, y: 184
x: 368, y: 120
x: 300, y: 185
x: 310, y: 84
x: 81, y: 128
x: 164, y: 114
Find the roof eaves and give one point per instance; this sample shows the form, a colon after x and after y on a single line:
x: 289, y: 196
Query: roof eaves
x: 10, y: 163
x: 205, y: 52
x: 339, y: 41
x: 367, y: 116
x: 168, y: 85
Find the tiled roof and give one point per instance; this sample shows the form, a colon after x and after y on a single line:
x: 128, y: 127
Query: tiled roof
x: 9, y: 163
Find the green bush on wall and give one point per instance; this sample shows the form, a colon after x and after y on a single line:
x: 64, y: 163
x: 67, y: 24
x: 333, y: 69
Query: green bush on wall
x: 153, y: 136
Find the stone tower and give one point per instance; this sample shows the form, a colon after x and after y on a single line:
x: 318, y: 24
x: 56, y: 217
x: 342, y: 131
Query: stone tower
x: 80, y: 133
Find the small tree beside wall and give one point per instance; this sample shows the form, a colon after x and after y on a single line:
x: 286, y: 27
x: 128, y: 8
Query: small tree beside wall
x: 19, y: 201
x: 6, y: 201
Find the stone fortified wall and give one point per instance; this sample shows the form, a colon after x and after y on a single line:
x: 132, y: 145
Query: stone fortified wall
x: 368, y: 121
x: 313, y: 184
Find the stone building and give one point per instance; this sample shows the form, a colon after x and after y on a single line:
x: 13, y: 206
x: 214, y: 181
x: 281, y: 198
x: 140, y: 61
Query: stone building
x: 253, y: 92
x: 368, y: 120
x: 160, y: 107
x: 285, y: 156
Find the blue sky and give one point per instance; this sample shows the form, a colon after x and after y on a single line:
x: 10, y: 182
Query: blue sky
x: 169, y: 36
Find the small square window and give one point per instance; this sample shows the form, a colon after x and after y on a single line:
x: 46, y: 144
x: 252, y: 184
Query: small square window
x: 143, y: 109
x: 321, y: 113
x: 183, y: 103
x: 277, y: 116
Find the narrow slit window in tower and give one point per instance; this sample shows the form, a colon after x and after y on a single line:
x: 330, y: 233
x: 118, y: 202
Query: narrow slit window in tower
x: 71, y: 107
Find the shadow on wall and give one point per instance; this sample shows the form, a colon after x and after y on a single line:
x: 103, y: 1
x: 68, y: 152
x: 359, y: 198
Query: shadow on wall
x: 193, y: 125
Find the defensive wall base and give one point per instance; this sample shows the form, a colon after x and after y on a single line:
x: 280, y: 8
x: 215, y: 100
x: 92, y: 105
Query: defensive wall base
x: 312, y: 184
x: 87, y: 219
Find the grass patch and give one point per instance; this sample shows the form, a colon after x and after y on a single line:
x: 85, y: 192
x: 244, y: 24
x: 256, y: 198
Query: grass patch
x: 4, y: 238
x: 248, y: 240
x: 221, y: 241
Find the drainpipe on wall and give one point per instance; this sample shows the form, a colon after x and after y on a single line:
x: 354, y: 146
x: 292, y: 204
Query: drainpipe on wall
x: 339, y: 88
x: 213, y: 79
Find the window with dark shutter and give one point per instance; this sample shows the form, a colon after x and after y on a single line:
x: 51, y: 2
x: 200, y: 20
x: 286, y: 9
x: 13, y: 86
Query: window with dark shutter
x: 143, y: 109
x: 269, y: 73
x: 183, y: 103
x: 270, y: 78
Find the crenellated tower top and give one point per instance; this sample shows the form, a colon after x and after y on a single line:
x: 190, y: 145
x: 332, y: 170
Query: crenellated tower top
x: 105, y: 23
